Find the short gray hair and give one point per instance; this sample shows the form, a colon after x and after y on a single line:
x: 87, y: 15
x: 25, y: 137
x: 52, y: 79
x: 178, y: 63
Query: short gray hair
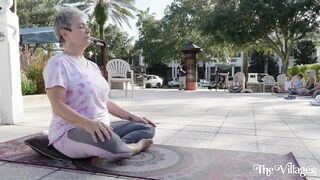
x: 64, y: 20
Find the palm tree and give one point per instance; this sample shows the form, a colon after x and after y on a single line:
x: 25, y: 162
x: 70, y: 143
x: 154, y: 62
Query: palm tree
x: 118, y: 11
x: 144, y: 16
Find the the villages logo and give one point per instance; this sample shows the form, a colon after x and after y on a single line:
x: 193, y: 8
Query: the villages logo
x: 289, y: 168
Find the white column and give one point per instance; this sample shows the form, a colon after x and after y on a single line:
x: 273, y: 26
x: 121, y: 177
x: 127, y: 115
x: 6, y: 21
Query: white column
x: 206, y: 71
x: 232, y: 70
x: 209, y: 72
x: 173, y: 72
x: 280, y: 64
x: 11, y: 103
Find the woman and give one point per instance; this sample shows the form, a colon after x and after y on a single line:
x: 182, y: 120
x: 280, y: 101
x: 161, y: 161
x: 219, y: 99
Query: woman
x: 308, y: 88
x: 78, y: 94
x: 297, y: 85
x: 236, y: 85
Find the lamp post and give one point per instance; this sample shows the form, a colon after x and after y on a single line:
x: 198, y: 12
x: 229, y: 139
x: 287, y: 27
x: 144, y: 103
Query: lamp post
x: 11, y: 103
x: 190, y: 52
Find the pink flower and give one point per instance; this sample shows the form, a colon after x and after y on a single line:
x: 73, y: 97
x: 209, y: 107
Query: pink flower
x: 81, y: 85
x: 80, y: 92
x: 69, y: 92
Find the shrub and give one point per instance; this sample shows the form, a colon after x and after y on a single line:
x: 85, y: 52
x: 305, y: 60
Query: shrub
x: 28, y: 86
x: 293, y: 70
x: 302, y: 69
x: 34, y: 72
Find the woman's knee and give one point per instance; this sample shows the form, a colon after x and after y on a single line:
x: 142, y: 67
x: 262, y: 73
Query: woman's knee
x: 143, y: 131
x: 151, y: 130
x: 147, y: 130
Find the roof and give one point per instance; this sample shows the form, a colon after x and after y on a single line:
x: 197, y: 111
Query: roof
x: 191, y: 47
x: 35, y: 35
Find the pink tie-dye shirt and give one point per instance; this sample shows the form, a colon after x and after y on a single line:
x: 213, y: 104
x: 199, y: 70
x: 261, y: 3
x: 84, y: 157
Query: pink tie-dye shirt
x: 87, y: 91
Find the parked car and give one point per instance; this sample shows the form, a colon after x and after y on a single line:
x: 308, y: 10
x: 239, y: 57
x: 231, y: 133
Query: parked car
x: 203, y: 83
x: 173, y: 82
x: 153, y: 81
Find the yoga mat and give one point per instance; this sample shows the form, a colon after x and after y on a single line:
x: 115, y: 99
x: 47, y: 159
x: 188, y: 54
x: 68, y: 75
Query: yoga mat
x: 168, y: 162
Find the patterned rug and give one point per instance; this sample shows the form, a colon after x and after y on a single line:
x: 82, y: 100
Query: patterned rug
x: 169, y: 162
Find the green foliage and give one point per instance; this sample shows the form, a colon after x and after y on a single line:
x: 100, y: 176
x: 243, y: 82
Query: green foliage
x: 28, y: 86
x: 293, y: 70
x: 162, y: 40
x: 100, y: 17
x: 275, y: 24
x: 118, y: 11
x: 303, y: 53
x: 302, y: 69
x: 119, y: 45
x: 34, y: 72
x: 36, y: 12
x: 315, y: 67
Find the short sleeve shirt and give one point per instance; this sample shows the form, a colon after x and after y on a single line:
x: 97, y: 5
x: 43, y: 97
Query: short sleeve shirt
x: 86, y: 91
x: 298, y: 83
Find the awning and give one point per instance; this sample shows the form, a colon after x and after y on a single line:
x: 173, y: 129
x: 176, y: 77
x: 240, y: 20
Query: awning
x: 35, y: 35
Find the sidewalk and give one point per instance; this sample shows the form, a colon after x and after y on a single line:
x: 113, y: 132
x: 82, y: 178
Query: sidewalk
x: 202, y: 119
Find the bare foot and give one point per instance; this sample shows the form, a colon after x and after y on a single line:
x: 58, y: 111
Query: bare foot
x: 142, y: 145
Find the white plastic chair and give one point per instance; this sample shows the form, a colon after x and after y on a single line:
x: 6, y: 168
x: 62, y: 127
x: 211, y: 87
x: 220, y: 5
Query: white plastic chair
x: 268, y: 80
x: 118, y: 71
x: 281, y: 80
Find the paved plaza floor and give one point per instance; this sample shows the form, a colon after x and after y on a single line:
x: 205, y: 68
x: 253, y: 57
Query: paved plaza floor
x: 255, y: 122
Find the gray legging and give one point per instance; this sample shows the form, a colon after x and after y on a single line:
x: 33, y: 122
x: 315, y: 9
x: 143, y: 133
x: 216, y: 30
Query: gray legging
x: 124, y: 132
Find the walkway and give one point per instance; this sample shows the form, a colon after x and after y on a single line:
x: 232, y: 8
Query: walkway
x: 202, y: 119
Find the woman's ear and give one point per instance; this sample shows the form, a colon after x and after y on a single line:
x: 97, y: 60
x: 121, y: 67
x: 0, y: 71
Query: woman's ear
x: 64, y: 33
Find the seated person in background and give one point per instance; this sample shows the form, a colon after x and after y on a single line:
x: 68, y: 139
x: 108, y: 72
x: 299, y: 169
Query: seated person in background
x: 236, y: 86
x: 310, y: 85
x: 296, y: 85
x: 314, y: 91
x: 288, y: 84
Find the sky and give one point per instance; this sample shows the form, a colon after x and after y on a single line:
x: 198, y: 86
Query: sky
x: 156, y: 6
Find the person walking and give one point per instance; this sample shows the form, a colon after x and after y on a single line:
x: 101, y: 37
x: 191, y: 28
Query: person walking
x: 182, y: 74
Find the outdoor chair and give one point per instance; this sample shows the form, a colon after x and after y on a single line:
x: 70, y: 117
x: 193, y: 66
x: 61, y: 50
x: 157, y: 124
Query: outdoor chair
x: 220, y: 80
x: 118, y: 71
x: 281, y: 80
x: 268, y: 81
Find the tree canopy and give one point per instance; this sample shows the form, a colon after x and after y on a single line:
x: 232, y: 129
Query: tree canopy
x: 304, y: 53
x: 36, y: 12
x: 162, y: 40
x: 118, y: 11
x: 274, y: 24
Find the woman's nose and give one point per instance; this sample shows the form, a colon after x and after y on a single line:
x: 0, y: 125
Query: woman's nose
x: 88, y: 30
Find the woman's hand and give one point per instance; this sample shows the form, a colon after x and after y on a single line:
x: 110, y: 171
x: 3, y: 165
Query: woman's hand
x: 97, y: 129
x: 142, y: 119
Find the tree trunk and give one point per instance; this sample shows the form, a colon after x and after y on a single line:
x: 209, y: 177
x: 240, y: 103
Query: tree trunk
x: 266, y: 62
x: 104, y: 50
x: 285, y: 64
x: 245, y: 64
